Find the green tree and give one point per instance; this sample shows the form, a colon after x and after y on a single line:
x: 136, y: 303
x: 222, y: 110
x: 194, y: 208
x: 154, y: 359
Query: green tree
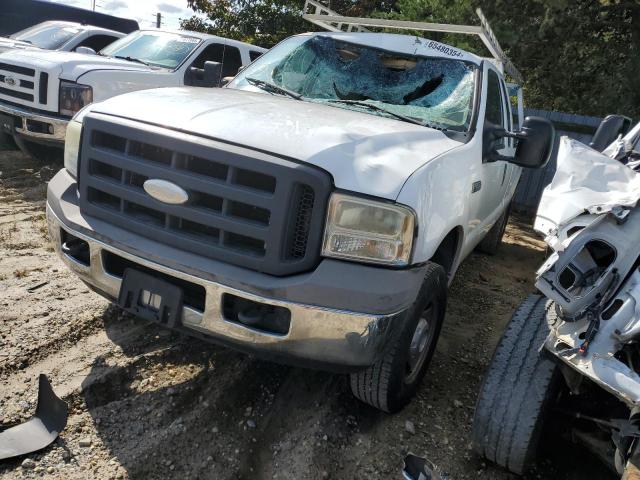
x: 577, y: 56
x: 266, y: 22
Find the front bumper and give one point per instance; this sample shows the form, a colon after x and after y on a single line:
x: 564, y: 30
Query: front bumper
x: 319, y: 336
x: 39, y: 127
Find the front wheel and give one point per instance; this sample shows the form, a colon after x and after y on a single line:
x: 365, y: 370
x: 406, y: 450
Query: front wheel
x: 390, y: 383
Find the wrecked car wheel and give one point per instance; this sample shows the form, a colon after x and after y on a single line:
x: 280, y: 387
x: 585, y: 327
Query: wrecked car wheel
x: 390, y: 383
x: 493, y: 239
x: 517, y: 390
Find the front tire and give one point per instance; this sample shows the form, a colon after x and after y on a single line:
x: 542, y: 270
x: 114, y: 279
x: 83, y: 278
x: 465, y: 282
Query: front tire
x: 518, y: 388
x: 390, y: 383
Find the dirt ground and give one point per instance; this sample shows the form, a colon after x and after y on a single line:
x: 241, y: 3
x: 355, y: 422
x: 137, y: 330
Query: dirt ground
x: 148, y: 403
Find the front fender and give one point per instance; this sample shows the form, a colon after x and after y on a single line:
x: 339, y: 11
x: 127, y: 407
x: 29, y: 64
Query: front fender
x: 439, y: 193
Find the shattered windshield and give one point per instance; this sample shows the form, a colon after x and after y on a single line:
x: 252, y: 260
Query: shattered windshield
x: 162, y: 49
x: 435, y: 92
x: 47, y: 36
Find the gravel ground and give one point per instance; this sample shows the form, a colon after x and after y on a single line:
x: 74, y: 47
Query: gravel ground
x: 149, y: 403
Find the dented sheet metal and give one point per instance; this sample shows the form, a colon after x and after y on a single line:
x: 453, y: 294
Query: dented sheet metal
x: 585, y: 181
x: 591, y: 220
x: 41, y: 430
x: 600, y: 363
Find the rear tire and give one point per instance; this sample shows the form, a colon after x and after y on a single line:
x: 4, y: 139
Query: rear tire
x: 518, y: 388
x: 491, y: 242
x: 390, y: 383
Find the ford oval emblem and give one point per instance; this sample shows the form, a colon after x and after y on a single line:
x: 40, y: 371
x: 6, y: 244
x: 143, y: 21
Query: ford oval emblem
x: 165, y: 192
x: 10, y: 81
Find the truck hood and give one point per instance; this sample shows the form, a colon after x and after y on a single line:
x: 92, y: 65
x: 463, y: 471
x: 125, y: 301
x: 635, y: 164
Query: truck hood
x: 70, y: 65
x: 9, y: 44
x: 364, y: 153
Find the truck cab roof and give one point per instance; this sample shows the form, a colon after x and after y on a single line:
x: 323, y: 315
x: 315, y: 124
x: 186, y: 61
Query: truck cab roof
x: 204, y: 36
x: 399, y: 43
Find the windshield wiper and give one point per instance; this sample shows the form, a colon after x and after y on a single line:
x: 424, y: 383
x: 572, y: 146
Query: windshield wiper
x: 373, y: 106
x: 132, y: 59
x: 272, y: 88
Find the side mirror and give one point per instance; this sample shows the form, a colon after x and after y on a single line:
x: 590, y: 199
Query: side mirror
x: 85, y: 50
x: 610, y: 128
x: 212, y: 74
x: 535, y: 143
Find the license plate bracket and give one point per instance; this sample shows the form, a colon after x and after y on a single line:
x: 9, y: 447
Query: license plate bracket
x: 150, y: 298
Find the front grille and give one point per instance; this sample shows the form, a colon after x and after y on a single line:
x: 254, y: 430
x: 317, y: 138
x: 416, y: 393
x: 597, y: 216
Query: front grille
x: 19, y: 83
x: 245, y: 207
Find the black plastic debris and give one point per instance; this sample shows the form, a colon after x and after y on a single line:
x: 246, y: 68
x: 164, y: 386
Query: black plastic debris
x: 39, y: 431
x: 418, y: 468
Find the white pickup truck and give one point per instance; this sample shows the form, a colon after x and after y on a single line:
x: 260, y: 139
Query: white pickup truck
x: 312, y: 211
x: 60, y: 36
x: 41, y: 90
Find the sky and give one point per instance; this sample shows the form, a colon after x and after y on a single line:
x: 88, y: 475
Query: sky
x: 144, y: 11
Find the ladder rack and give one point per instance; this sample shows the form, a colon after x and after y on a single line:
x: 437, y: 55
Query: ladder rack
x: 322, y: 16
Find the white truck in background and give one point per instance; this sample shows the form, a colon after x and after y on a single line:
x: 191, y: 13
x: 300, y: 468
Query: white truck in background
x: 61, y: 36
x: 41, y: 90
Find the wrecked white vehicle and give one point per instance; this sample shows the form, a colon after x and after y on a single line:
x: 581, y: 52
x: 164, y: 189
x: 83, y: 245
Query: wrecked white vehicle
x: 574, y: 351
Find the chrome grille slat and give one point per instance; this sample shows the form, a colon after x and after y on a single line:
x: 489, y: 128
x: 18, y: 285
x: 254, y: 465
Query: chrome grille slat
x: 244, y: 206
x: 24, y: 86
x: 192, y: 181
x: 139, y: 197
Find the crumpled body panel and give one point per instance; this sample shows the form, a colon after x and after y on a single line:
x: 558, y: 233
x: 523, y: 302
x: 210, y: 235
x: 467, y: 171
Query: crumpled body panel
x: 585, y: 180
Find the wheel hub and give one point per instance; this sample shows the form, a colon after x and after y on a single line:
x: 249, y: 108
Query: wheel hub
x: 419, y: 345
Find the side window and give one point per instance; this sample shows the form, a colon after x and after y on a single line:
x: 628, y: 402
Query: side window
x: 232, y: 62
x: 254, y: 54
x: 495, y: 108
x: 211, y: 53
x: 98, y: 42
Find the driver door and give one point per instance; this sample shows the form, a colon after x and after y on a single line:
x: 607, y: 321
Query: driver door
x: 495, y: 174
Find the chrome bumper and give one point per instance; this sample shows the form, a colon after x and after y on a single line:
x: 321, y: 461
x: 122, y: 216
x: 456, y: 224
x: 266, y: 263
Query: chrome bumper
x: 37, y: 125
x: 322, y: 337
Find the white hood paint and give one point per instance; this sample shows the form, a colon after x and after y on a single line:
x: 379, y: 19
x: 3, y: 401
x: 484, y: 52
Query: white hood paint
x: 70, y: 65
x: 364, y: 153
x: 7, y: 43
x: 585, y: 181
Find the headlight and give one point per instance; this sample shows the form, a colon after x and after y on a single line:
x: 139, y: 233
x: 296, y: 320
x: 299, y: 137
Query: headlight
x: 73, y: 97
x: 369, y: 231
x: 72, y: 147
